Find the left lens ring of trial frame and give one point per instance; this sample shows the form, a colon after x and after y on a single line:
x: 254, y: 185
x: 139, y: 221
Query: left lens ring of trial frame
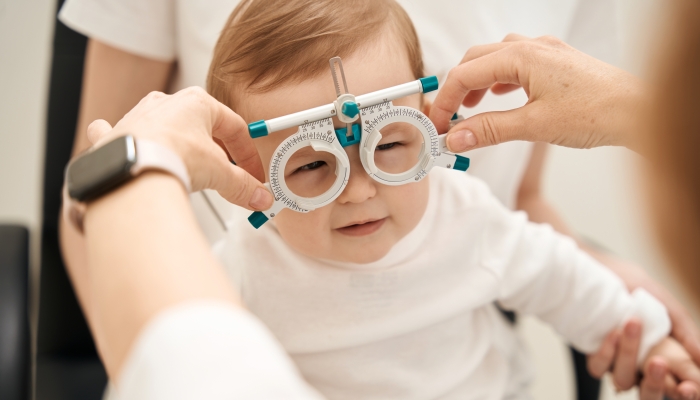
x: 321, y: 136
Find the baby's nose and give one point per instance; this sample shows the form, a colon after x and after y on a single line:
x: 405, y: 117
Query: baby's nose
x: 360, y: 187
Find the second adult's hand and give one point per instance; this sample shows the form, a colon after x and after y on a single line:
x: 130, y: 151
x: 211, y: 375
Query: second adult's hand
x: 574, y: 100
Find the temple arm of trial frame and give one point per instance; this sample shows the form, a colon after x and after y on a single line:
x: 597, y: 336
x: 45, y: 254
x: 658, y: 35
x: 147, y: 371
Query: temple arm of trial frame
x: 264, y: 128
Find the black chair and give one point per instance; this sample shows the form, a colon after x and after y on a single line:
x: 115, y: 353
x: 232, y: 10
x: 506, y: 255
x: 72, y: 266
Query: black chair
x: 15, y: 353
x: 67, y: 365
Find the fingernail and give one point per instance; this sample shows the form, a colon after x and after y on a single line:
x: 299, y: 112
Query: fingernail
x: 261, y: 199
x: 657, y: 372
x: 461, y: 140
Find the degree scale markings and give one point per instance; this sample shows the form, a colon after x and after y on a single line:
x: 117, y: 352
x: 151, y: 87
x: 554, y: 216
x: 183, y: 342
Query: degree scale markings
x: 309, y: 131
x: 387, y: 111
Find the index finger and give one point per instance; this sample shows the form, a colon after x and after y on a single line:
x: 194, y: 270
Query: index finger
x: 501, y: 66
x: 232, y: 130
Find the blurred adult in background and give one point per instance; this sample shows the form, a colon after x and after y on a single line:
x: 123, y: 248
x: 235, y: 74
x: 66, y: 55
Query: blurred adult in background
x: 138, y: 46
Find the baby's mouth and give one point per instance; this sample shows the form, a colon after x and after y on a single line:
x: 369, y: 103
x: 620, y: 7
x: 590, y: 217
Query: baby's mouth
x: 362, y: 228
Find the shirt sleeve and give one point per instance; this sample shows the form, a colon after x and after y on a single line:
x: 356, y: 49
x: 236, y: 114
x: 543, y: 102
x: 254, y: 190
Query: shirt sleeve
x: 209, y: 350
x: 544, y: 273
x: 145, y: 28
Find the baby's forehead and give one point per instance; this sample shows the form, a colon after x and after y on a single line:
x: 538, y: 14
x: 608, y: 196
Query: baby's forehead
x: 286, y: 99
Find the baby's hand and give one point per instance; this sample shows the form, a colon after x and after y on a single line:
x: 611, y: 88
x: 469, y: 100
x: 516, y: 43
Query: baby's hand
x: 670, y: 357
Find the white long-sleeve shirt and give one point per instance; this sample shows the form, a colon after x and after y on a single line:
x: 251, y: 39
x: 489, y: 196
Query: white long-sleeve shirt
x: 420, y: 323
x: 417, y: 324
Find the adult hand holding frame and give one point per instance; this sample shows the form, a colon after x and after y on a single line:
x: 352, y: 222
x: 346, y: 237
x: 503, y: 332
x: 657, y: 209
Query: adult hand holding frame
x: 315, y: 155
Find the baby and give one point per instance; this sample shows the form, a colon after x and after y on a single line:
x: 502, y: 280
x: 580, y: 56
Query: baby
x: 389, y: 291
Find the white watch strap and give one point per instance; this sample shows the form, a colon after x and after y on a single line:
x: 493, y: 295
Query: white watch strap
x: 152, y: 155
x: 149, y: 156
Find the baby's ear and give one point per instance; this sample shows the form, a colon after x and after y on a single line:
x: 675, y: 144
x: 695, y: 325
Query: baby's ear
x: 426, y: 106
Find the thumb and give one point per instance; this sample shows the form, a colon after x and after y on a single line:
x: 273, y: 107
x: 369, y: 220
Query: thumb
x: 240, y: 188
x: 98, y: 129
x: 488, y: 129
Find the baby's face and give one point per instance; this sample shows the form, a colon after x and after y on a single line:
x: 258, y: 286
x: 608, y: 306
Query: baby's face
x: 368, y: 218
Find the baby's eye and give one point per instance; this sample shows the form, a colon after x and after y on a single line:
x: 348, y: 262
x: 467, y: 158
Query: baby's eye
x: 386, y: 146
x: 311, y: 166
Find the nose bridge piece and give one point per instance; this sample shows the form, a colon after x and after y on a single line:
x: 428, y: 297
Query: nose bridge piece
x: 349, y: 138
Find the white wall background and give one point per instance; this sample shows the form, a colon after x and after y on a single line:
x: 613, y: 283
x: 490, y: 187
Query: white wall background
x: 25, y: 39
x: 597, y: 191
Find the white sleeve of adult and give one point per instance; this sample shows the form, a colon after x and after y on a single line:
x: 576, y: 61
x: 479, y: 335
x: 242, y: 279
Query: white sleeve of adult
x: 145, y: 28
x: 544, y: 273
x: 209, y: 350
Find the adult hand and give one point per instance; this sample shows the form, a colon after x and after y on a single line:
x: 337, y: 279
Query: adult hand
x: 618, y: 354
x: 574, y: 100
x: 185, y: 122
x: 655, y: 383
x: 683, y: 328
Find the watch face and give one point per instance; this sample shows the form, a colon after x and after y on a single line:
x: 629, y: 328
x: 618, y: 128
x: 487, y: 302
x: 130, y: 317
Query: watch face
x: 101, y: 170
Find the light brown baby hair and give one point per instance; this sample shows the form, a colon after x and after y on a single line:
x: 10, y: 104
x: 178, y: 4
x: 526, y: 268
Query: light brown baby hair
x: 268, y: 43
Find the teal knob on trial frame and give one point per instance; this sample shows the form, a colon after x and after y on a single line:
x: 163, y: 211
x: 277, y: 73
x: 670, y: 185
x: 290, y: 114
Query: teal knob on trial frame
x: 429, y: 83
x: 350, y: 109
x: 257, y: 129
x: 257, y: 219
x: 461, y: 163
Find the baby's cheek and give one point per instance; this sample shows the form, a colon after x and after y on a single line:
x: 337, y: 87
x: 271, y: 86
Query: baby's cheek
x: 407, y: 204
x: 305, y: 233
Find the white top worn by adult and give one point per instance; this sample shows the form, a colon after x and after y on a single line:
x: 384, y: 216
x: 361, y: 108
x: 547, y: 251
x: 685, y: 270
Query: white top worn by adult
x: 187, y: 30
x: 208, y: 350
x: 420, y: 323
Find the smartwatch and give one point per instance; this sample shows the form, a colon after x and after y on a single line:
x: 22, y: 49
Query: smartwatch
x: 101, y: 170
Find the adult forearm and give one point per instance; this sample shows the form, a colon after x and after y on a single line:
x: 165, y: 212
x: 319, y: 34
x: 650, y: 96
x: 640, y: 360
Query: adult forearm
x: 145, y: 253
